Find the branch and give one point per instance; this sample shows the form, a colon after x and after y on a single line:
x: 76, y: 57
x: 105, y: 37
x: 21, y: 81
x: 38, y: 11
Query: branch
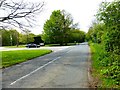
x: 16, y: 11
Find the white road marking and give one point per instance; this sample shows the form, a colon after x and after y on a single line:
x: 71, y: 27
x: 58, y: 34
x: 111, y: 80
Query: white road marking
x: 68, y: 51
x: 35, y: 70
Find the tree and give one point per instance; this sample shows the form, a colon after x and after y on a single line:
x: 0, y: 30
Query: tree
x: 67, y: 26
x: 77, y: 36
x: 96, y: 32
x: 6, y: 39
x: 19, y: 13
x: 107, y: 31
x: 27, y: 37
x: 14, y: 35
x: 109, y: 14
x: 22, y: 38
x: 57, y: 28
x: 27, y: 32
x: 9, y: 37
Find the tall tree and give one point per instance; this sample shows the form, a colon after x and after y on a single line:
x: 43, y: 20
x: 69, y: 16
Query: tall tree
x: 6, y: 38
x: 109, y: 14
x: 67, y: 26
x: 14, y: 35
x: 57, y: 28
x: 9, y: 37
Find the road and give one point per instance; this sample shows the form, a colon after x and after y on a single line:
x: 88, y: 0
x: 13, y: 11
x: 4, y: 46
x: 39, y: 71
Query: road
x: 67, y: 68
x: 55, y: 49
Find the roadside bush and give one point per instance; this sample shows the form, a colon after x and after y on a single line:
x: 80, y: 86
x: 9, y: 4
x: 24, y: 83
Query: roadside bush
x: 111, y: 41
x: 106, y: 58
x: 107, y: 65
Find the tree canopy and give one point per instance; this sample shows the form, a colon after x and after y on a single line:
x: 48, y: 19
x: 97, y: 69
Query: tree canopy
x: 109, y: 14
x: 57, y: 28
x: 9, y: 37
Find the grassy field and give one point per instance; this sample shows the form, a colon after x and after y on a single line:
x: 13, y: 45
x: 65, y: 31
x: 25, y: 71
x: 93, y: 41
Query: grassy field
x: 10, y: 58
x: 102, y: 68
x: 20, y: 46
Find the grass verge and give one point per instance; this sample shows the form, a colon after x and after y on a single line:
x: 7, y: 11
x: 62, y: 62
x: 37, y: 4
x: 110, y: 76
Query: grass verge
x: 20, y: 46
x: 10, y: 58
x: 105, y: 68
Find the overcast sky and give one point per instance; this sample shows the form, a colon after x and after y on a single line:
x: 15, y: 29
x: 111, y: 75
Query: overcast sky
x: 82, y: 11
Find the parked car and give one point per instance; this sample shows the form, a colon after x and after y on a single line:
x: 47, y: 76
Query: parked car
x: 32, y: 45
x: 42, y: 44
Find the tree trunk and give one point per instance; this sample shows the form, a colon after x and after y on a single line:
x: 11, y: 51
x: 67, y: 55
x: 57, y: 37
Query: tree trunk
x: 17, y: 40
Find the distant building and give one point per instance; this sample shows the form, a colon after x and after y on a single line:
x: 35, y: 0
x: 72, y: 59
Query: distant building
x: 38, y: 40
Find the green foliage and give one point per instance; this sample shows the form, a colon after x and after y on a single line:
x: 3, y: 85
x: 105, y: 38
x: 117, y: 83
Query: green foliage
x: 53, y: 31
x: 77, y: 35
x: 109, y: 13
x: 6, y: 37
x: 107, y: 56
x: 22, y: 38
x: 26, y: 38
x: 111, y: 41
x: 9, y: 37
x: 13, y: 37
x: 57, y: 28
x: 95, y: 32
x: 9, y: 57
x: 20, y: 46
x: 106, y: 65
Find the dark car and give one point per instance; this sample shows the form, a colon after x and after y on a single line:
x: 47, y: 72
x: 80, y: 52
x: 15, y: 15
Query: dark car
x: 32, y: 45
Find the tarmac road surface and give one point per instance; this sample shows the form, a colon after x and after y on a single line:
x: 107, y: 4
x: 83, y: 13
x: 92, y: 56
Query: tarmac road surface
x: 67, y: 68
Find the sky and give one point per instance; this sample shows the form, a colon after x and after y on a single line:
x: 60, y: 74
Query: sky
x: 82, y: 11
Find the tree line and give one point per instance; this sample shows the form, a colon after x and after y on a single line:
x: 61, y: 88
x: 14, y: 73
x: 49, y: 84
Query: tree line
x: 13, y: 37
x: 106, y: 32
x: 59, y: 29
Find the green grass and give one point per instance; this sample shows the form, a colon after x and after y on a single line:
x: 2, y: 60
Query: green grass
x: 102, y: 68
x: 20, y: 46
x: 95, y: 50
x: 10, y: 58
